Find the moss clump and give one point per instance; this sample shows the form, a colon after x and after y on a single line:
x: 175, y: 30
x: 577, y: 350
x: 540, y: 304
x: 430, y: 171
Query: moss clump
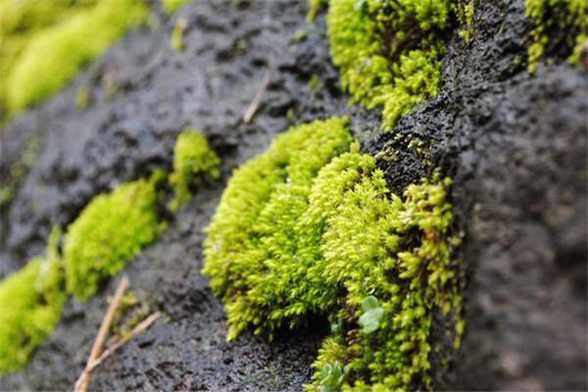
x: 560, y: 26
x: 171, y: 6
x: 110, y: 231
x: 31, y: 301
x: 177, y: 38
x: 388, y: 51
x: 465, y: 13
x: 194, y: 160
x: 46, y: 43
x: 309, y: 228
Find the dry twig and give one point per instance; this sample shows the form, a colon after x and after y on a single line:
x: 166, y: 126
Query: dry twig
x: 254, y: 105
x: 142, y: 326
x: 84, y: 380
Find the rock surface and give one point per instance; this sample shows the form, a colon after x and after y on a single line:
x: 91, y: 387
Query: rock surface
x: 514, y: 143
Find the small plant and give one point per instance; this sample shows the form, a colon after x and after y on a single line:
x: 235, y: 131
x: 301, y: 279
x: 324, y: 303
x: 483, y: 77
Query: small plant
x: 372, y: 315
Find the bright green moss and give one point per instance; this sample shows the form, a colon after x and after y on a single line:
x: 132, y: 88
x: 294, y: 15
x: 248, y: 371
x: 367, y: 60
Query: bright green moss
x: 43, y: 44
x: 31, y: 301
x: 465, y: 13
x: 109, y: 232
x: 172, y: 6
x: 314, y: 6
x: 557, y: 24
x: 55, y: 54
x: 177, y: 37
x: 310, y: 228
x: 194, y: 160
x: 388, y: 51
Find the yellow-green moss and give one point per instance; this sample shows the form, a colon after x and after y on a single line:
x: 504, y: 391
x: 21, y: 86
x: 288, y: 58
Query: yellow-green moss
x: 465, y: 14
x: 388, y: 52
x: 314, y: 7
x: 558, y: 24
x: 54, y: 55
x: 177, y: 37
x: 172, y: 6
x: 309, y: 228
x: 194, y: 161
x: 31, y: 301
x: 109, y: 232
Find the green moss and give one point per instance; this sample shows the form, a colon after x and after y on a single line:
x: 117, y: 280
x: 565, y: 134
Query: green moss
x: 558, y: 25
x: 194, y: 161
x: 314, y: 7
x: 177, y: 38
x: 43, y: 44
x: 172, y: 6
x: 309, y: 228
x: 31, y: 301
x: 465, y: 13
x: 388, y: 51
x: 110, y: 231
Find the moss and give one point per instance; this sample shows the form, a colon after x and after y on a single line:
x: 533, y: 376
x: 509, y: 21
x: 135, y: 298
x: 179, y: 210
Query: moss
x: 465, y: 14
x: 560, y: 26
x: 110, y: 231
x: 177, y: 38
x: 309, y: 228
x: 45, y: 43
x: 314, y: 7
x: 194, y: 161
x: 171, y: 6
x: 31, y: 301
x: 388, y: 52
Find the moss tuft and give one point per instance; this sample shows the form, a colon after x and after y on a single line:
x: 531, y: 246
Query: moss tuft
x: 559, y: 26
x: 55, y: 54
x: 171, y: 6
x: 177, y: 38
x: 110, y: 231
x: 31, y: 301
x: 194, y: 160
x: 309, y: 228
x: 388, y: 51
x: 43, y: 44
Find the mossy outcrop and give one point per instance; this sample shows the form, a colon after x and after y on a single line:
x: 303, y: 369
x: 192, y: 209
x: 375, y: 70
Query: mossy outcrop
x: 310, y: 229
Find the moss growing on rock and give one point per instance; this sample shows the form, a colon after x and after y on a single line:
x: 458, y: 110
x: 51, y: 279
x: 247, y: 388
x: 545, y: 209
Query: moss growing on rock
x: 43, y: 44
x: 110, y: 231
x: 172, y: 6
x: 309, y: 228
x: 559, y: 26
x: 194, y: 161
x: 388, y: 52
x: 31, y: 301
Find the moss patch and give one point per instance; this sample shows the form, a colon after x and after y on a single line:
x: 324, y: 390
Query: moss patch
x: 171, y: 6
x: 388, y: 52
x: 109, y: 232
x: 194, y: 161
x: 43, y: 44
x: 309, y: 228
x: 560, y: 27
x: 31, y: 301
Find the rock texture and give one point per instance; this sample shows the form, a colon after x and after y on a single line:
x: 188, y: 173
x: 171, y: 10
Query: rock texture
x: 514, y: 143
